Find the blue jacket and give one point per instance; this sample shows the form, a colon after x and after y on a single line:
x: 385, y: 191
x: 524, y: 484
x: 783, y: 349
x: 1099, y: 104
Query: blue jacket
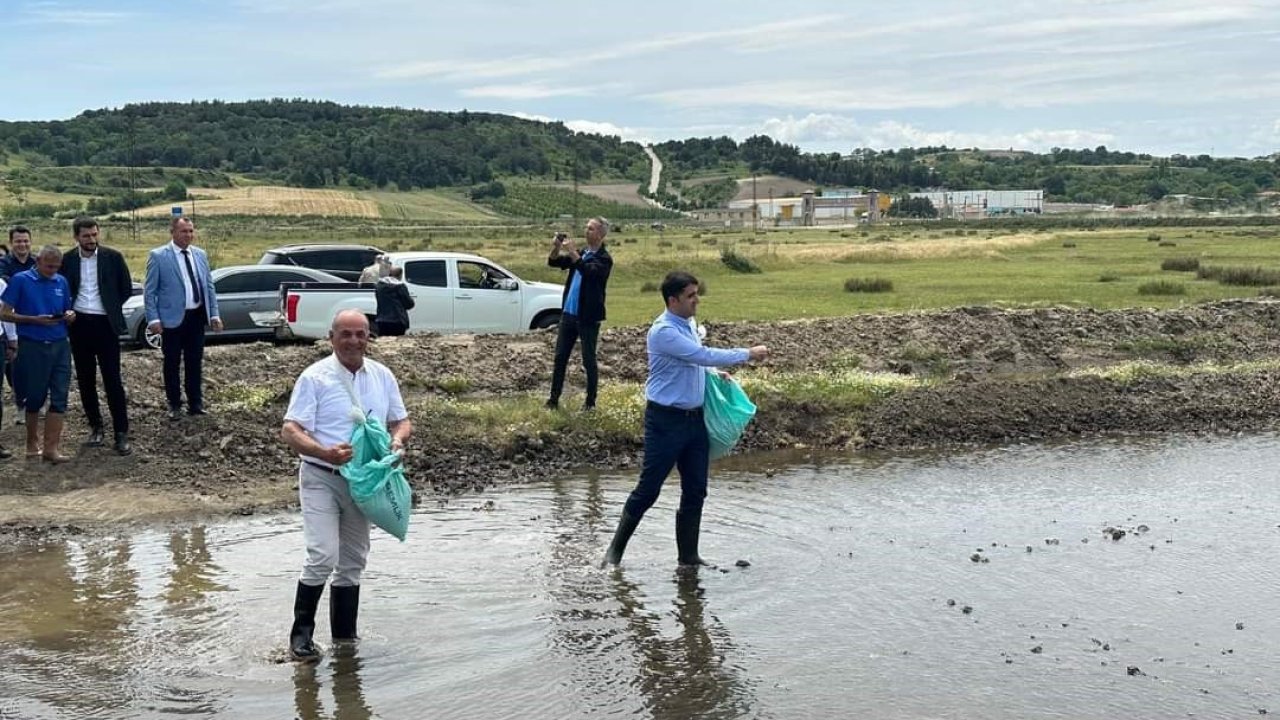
x: 164, y: 294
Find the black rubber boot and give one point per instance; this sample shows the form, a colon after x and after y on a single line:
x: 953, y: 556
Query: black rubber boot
x: 304, y: 623
x: 344, y: 606
x: 626, y: 526
x: 688, y: 527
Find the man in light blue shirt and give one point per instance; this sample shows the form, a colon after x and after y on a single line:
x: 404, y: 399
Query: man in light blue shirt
x: 675, y: 434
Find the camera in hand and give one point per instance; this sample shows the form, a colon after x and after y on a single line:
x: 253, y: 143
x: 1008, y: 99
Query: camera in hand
x: 561, y: 237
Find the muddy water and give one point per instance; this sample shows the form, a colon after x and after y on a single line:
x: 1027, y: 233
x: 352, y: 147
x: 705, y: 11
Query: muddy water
x: 853, y: 604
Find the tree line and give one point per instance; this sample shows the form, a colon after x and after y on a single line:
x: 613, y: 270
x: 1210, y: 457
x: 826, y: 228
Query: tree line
x: 323, y: 144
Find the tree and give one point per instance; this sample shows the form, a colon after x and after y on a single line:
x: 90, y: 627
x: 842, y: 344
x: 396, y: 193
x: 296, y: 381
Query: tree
x: 913, y: 207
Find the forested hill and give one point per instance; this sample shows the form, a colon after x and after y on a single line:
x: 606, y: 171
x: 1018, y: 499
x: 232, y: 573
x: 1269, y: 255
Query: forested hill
x: 313, y: 144
x: 324, y: 144
x: 1087, y: 175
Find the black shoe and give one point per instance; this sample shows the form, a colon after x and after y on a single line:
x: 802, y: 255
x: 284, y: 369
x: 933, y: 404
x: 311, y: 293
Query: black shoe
x: 175, y: 414
x: 5, y: 454
x: 305, y: 601
x: 95, y: 437
x: 122, y: 444
x: 197, y: 411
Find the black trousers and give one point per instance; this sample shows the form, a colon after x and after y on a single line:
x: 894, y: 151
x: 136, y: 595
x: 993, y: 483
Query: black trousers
x: 183, y: 346
x: 673, y: 438
x: 95, y: 346
x: 390, y: 329
x: 568, y: 333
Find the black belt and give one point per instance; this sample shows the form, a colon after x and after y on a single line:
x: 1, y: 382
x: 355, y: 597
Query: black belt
x: 323, y: 468
x: 695, y: 412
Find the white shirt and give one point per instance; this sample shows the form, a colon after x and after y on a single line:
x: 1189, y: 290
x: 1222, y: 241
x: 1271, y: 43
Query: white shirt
x: 88, y: 299
x: 321, y: 405
x: 7, y: 328
x: 186, y: 277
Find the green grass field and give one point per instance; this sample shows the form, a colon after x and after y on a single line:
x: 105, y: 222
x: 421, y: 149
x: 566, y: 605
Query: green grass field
x: 435, y: 205
x: 804, y: 272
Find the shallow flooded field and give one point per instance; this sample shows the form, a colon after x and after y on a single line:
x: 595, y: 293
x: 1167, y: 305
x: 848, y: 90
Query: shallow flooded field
x: 1092, y: 579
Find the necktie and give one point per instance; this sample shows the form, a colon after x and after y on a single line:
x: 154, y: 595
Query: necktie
x: 191, y: 274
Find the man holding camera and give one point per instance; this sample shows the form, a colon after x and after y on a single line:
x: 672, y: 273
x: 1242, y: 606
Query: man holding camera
x: 582, y: 306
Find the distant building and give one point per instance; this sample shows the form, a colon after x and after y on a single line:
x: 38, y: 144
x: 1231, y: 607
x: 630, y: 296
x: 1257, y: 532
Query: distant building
x: 976, y: 204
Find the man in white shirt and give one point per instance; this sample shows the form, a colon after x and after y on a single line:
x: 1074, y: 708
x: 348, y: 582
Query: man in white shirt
x: 318, y: 426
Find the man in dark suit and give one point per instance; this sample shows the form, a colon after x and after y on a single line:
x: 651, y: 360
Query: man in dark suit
x: 582, y: 306
x: 100, y: 283
x: 180, y: 301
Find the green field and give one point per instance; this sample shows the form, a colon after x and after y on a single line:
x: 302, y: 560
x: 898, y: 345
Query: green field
x: 804, y: 271
x: 435, y: 205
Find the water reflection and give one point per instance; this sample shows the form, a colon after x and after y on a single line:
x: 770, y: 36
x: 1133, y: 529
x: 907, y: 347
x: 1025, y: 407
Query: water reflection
x: 621, y: 648
x: 685, y: 675
x: 343, y: 671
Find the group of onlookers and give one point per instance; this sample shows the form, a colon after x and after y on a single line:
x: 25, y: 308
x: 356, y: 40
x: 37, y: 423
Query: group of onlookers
x: 63, y: 309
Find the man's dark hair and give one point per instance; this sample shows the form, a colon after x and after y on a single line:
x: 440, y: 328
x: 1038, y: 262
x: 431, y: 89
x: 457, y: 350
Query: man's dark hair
x: 674, y: 284
x: 81, y: 223
x: 17, y: 229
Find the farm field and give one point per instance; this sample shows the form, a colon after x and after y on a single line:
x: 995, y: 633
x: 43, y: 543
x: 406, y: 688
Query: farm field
x: 804, y: 272
x: 273, y: 200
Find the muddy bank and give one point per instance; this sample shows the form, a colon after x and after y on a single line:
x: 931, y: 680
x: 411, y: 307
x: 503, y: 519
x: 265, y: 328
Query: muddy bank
x: 993, y: 375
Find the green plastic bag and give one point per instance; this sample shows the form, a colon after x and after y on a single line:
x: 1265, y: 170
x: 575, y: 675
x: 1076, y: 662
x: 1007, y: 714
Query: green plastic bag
x: 375, y: 476
x: 726, y: 410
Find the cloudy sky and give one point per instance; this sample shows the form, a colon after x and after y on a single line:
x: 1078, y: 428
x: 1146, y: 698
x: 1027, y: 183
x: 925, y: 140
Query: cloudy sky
x: 1172, y: 76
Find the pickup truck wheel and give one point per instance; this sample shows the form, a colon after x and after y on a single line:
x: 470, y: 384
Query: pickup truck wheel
x: 146, y: 338
x: 546, y: 320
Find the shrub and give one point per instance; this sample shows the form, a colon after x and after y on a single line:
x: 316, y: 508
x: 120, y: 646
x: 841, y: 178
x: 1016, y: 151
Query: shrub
x: 1167, y: 243
x: 1153, y: 237
x: 737, y: 262
x: 709, y: 241
x: 1182, y: 264
x: 1108, y: 277
x: 868, y: 285
x: 455, y: 384
x: 1162, y: 287
x: 650, y: 286
x: 1068, y: 244
x: 664, y: 243
x: 1242, y: 276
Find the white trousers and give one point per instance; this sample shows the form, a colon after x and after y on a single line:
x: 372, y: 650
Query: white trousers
x: 336, y: 532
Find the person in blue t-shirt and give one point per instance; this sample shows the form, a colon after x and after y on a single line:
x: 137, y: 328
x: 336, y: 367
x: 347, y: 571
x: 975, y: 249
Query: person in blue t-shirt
x: 39, y: 303
x: 582, y: 305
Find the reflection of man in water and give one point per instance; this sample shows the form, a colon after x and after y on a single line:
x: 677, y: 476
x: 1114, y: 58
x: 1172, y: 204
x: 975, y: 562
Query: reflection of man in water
x: 684, y: 676
x: 348, y: 694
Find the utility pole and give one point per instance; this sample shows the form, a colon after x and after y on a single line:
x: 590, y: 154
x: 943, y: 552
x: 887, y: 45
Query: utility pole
x: 755, y: 206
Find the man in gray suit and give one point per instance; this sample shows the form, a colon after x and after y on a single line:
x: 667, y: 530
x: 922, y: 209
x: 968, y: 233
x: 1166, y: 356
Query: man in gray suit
x: 180, y: 301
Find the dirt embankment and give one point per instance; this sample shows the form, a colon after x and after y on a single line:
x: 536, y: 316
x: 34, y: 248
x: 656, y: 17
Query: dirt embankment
x: 996, y: 375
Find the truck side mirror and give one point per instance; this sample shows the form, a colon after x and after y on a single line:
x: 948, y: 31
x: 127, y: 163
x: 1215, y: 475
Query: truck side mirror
x: 508, y: 284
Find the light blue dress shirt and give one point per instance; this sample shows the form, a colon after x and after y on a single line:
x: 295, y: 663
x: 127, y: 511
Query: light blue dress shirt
x: 676, y: 362
x: 575, y: 288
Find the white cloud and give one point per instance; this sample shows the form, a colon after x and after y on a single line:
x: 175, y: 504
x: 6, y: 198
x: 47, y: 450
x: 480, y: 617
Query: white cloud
x: 593, y: 126
x: 841, y: 133
x: 528, y: 91
x: 529, y: 65
x: 56, y: 13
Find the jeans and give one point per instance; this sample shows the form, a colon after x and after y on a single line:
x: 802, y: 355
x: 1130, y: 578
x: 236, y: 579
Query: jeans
x: 43, y: 372
x: 568, y: 333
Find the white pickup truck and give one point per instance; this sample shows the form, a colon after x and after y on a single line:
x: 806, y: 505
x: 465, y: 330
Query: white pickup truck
x: 452, y: 293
